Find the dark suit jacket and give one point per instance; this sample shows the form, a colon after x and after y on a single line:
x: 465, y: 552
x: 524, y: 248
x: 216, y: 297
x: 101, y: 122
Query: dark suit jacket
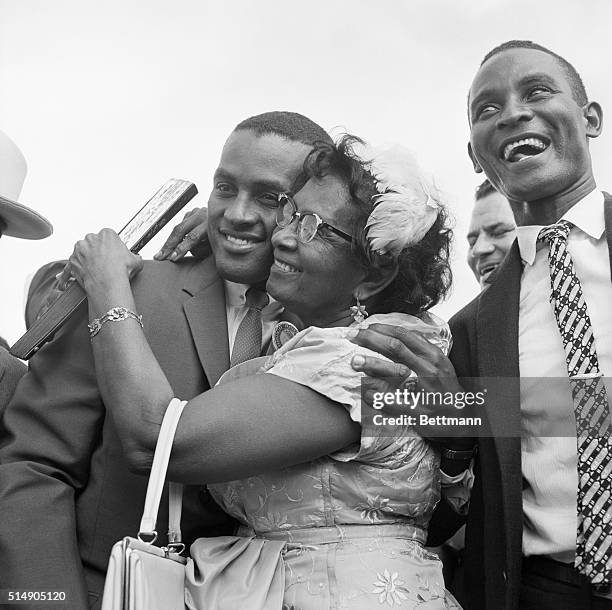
x: 485, y: 335
x: 66, y: 495
x: 42, y: 291
x: 11, y: 371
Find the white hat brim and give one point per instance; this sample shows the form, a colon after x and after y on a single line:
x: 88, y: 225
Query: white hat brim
x: 22, y: 221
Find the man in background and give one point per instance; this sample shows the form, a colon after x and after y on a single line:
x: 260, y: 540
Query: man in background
x: 491, y: 233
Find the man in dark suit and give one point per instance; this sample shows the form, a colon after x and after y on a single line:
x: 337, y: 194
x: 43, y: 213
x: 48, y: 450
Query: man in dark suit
x: 16, y: 220
x: 11, y: 371
x: 526, y: 545
x: 66, y: 495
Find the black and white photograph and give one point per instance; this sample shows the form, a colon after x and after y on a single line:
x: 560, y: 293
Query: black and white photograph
x: 305, y: 306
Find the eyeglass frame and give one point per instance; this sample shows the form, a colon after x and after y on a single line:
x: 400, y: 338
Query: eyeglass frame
x: 286, y: 197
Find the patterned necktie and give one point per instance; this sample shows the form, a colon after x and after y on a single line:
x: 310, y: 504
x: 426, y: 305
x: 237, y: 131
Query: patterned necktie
x: 594, y: 534
x: 247, y: 343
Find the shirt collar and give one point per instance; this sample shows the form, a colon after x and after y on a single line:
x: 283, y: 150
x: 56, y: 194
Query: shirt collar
x: 235, y: 296
x: 235, y: 293
x: 587, y: 215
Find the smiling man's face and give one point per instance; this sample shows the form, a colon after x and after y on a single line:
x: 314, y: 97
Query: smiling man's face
x: 491, y: 233
x: 528, y: 133
x: 242, y: 205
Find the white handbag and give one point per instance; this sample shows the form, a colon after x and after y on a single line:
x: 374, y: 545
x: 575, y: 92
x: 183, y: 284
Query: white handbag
x: 142, y: 576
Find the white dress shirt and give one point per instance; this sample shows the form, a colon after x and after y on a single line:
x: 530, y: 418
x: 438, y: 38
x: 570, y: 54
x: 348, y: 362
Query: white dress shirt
x: 236, y: 309
x: 549, y: 464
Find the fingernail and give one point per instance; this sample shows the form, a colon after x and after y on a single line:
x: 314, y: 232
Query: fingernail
x: 351, y: 333
x: 158, y: 255
x: 403, y: 371
x: 57, y: 275
x: 173, y: 256
x: 358, y: 361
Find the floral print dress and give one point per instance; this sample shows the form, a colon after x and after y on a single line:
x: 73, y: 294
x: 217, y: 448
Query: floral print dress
x: 343, y: 531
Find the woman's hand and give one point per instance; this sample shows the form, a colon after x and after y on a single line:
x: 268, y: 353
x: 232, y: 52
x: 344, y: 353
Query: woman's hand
x: 191, y: 234
x: 100, y: 260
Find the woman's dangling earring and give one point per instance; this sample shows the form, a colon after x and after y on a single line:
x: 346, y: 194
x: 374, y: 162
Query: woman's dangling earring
x: 358, y: 311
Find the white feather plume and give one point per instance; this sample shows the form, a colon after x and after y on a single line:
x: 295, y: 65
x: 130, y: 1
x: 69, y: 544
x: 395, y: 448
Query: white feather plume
x: 407, y: 204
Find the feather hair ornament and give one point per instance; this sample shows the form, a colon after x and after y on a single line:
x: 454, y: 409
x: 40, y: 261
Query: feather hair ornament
x: 407, y: 203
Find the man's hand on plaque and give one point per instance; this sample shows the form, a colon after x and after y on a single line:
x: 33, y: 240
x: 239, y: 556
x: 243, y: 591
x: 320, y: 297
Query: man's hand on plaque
x: 190, y: 235
x: 101, y: 257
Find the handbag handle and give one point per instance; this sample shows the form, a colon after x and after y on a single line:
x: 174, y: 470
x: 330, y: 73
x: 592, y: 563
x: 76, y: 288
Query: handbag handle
x: 157, y: 478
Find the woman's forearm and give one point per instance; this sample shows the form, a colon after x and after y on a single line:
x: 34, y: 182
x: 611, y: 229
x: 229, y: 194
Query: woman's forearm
x: 248, y: 426
x: 133, y: 386
x: 245, y: 427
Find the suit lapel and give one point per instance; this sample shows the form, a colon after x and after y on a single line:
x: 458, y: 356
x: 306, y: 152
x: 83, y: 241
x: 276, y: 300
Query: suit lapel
x: 497, y: 325
x: 497, y: 340
x: 206, y: 315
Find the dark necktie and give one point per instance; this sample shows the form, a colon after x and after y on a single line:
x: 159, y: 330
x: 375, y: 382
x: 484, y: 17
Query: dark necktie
x: 594, y: 534
x: 247, y: 343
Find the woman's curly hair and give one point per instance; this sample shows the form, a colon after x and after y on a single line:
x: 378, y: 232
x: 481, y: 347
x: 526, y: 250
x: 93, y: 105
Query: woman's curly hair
x: 424, y: 273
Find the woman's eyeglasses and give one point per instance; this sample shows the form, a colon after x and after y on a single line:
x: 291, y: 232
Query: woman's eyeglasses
x: 308, y: 222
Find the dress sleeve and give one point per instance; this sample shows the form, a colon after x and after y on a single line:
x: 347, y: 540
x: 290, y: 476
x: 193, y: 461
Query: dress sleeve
x: 320, y: 358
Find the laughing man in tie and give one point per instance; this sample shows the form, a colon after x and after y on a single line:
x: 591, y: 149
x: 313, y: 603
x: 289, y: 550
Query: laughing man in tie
x: 540, y: 519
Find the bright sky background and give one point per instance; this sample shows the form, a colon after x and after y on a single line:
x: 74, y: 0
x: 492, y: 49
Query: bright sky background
x: 109, y: 99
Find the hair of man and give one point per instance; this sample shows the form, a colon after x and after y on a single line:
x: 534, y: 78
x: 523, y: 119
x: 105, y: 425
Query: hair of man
x: 577, y: 86
x: 484, y: 189
x: 289, y: 125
